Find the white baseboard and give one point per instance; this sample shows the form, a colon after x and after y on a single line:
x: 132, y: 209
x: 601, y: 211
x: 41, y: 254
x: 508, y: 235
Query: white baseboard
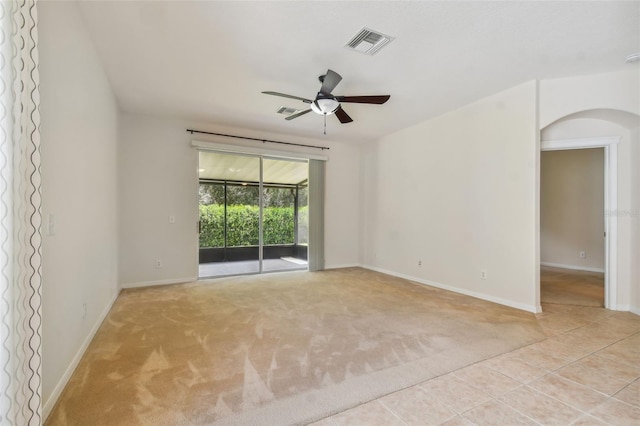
x: 346, y: 265
x: 159, y: 282
x: 57, y: 391
x: 635, y: 310
x: 574, y: 267
x: 529, y: 308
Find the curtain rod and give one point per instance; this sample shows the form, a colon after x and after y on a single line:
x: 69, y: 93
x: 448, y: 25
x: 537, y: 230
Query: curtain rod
x: 256, y: 139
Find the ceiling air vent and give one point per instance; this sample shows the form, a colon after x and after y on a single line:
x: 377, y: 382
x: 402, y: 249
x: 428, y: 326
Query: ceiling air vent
x: 288, y: 111
x: 368, y: 41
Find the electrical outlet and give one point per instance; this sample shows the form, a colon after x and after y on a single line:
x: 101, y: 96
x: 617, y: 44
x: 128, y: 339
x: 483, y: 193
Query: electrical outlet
x: 172, y: 219
x: 158, y: 264
x: 483, y: 274
x: 583, y: 255
x: 419, y: 262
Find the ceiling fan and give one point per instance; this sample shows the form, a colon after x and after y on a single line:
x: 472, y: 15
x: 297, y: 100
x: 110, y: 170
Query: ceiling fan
x: 326, y: 103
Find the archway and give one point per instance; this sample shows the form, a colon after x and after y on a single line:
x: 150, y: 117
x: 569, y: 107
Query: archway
x: 613, y: 130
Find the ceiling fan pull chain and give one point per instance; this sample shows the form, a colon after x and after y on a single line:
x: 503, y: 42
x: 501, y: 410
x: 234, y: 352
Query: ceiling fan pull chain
x: 325, y: 124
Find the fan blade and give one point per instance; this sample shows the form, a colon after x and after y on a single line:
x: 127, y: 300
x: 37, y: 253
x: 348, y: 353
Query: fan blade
x: 379, y: 100
x: 307, y: 101
x: 343, y: 116
x: 291, y: 117
x: 331, y: 80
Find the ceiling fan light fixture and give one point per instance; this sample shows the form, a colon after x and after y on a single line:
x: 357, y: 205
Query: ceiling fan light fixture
x: 325, y: 106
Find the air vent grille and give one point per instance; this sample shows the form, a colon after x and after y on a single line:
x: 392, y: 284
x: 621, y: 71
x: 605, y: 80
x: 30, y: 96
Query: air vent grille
x: 288, y: 111
x: 368, y: 41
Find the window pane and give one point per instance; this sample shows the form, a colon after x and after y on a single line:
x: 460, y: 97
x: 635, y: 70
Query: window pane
x: 211, y: 215
x: 278, y: 219
x: 243, y: 213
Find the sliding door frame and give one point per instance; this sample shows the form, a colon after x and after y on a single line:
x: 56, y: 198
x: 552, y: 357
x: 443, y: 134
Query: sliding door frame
x: 262, y: 154
x: 260, y: 216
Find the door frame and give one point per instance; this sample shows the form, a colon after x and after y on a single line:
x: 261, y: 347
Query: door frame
x: 261, y: 154
x: 610, y: 145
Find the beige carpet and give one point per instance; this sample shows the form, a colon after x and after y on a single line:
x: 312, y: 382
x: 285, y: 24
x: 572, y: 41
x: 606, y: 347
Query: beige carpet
x: 570, y: 287
x: 277, y: 349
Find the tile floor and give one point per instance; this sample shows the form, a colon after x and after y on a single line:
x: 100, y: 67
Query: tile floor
x: 571, y: 287
x: 587, y: 372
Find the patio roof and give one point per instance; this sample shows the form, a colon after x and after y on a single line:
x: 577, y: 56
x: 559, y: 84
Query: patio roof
x: 218, y: 166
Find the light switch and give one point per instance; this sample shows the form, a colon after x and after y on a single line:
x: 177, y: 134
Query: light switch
x: 172, y: 219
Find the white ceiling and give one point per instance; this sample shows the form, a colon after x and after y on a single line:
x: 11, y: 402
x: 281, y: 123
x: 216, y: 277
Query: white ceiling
x: 209, y: 60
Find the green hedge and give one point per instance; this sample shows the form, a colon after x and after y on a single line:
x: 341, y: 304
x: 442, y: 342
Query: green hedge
x: 242, y: 225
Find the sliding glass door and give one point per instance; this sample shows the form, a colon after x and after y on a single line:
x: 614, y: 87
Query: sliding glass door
x: 252, y: 214
x: 283, y: 188
x: 229, y: 193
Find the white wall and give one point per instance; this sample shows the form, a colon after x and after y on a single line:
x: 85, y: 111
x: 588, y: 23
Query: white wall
x: 458, y: 194
x: 604, y: 105
x: 572, y: 208
x: 79, y: 142
x: 157, y: 172
x: 564, y: 96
